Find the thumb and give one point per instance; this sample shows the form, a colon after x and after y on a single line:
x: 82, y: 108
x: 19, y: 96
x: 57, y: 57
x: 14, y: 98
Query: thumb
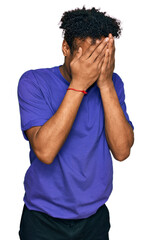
x: 78, y: 54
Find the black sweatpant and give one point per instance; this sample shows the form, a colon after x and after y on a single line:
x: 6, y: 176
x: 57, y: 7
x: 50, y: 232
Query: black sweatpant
x: 35, y: 225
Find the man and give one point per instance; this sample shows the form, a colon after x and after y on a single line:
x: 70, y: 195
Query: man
x: 73, y: 115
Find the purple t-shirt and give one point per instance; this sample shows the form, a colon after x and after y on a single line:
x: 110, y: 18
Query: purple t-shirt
x: 79, y: 180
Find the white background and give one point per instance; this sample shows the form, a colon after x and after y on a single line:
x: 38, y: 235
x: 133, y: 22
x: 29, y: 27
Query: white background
x: 30, y: 39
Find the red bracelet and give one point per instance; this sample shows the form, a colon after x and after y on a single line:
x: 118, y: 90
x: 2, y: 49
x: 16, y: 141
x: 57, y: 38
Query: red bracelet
x: 77, y: 90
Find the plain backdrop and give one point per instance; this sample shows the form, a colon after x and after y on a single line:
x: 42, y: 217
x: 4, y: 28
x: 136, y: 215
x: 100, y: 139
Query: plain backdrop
x: 31, y: 39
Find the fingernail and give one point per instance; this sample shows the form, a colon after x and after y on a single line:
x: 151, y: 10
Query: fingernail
x: 97, y: 41
x: 107, y: 39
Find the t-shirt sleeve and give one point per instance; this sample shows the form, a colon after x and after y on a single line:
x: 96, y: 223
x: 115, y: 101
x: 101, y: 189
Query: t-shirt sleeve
x: 119, y: 86
x: 34, y: 110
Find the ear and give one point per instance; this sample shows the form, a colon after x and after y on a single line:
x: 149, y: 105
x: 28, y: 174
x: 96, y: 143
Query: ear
x: 65, y: 48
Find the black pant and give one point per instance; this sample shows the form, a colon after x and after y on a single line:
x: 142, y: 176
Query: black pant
x: 35, y: 225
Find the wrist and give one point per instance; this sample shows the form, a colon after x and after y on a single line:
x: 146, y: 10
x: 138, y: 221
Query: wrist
x: 106, y: 86
x: 77, y: 85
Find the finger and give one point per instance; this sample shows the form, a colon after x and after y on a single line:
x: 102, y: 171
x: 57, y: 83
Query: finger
x: 101, y: 57
x: 110, y: 35
x: 111, y: 51
x: 98, y: 50
x: 94, y: 50
x: 106, y: 60
x: 111, y: 38
x: 77, y: 55
x: 100, y: 64
x: 101, y: 61
x: 90, y: 49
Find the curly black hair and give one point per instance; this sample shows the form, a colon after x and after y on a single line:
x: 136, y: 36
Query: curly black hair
x: 82, y: 23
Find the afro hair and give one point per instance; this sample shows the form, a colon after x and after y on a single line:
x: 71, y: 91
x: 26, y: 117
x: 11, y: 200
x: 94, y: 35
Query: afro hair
x: 82, y: 23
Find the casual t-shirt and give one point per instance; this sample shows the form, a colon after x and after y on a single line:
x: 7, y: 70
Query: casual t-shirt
x: 80, y: 178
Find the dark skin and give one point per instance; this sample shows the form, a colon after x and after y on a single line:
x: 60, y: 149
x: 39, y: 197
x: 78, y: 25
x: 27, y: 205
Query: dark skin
x: 119, y: 133
x: 65, y: 68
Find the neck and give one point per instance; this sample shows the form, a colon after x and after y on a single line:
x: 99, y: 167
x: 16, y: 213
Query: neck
x: 65, y: 73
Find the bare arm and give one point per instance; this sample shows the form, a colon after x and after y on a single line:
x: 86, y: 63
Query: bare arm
x: 119, y: 133
x: 48, y: 139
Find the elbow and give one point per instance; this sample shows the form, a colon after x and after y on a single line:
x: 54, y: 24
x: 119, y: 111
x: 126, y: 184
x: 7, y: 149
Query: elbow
x: 122, y: 153
x: 122, y: 156
x: 44, y: 153
x: 45, y: 158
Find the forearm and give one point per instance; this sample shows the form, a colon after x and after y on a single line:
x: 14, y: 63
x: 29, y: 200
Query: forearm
x: 119, y: 133
x: 52, y: 135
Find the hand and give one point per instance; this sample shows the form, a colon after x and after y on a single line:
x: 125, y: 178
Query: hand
x: 86, y: 67
x: 105, y: 77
